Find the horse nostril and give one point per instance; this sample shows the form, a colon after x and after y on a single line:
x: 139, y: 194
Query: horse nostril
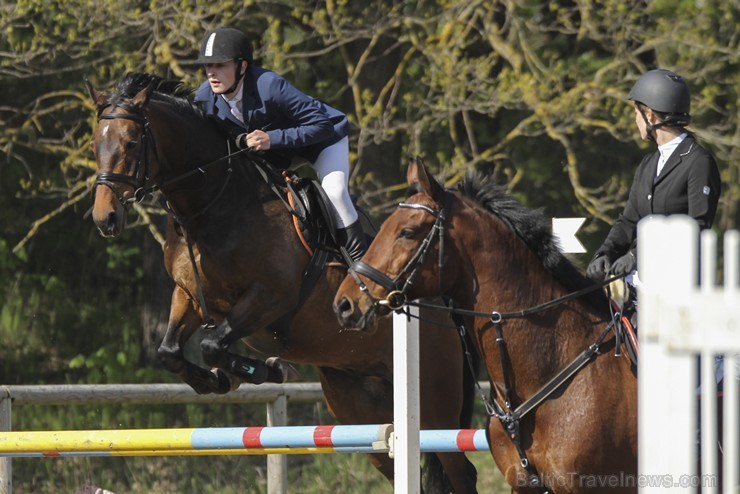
x: 111, y: 223
x: 344, y: 308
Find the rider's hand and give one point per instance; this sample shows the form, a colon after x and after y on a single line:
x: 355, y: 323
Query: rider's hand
x: 241, y: 141
x: 598, y: 268
x: 624, y: 265
x: 259, y: 140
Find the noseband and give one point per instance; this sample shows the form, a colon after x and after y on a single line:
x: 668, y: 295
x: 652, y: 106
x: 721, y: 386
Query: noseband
x: 140, y: 177
x: 398, y: 290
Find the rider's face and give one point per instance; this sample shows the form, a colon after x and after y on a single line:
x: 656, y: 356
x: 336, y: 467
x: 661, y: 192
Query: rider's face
x: 221, y: 76
x: 640, y: 121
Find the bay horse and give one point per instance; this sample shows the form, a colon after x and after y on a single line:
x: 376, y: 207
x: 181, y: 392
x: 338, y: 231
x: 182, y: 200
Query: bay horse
x: 562, y: 410
x: 237, y: 263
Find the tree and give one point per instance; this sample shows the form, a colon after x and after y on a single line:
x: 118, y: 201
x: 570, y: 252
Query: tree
x: 531, y: 92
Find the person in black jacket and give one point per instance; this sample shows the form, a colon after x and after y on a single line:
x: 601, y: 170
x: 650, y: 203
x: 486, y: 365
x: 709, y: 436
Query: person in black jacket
x: 680, y: 177
x: 262, y: 111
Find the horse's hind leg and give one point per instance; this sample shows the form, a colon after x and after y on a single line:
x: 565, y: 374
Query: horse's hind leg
x: 356, y: 399
x: 215, y: 347
x: 258, y: 307
x: 460, y: 474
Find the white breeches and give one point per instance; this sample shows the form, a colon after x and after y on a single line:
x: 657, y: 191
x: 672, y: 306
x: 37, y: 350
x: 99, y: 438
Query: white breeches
x: 332, y: 168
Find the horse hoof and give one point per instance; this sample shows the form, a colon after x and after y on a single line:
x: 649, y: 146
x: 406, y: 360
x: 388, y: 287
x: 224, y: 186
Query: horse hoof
x: 286, y: 370
x: 223, y: 384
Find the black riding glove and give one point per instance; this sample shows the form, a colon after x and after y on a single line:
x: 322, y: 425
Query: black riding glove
x: 624, y: 265
x: 598, y: 268
x: 241, y: 141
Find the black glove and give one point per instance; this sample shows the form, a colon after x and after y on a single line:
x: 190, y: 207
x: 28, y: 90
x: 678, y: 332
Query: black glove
x: 241, y: 141
x: 624, y: 265
x: 598, y: 268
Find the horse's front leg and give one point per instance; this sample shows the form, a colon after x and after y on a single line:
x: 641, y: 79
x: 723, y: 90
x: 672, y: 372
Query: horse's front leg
x: 256, y: 309
x: 183, y: 322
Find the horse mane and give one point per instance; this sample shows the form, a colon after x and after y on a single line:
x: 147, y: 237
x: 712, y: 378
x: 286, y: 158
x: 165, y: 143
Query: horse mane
x: 173, y: 91
x: 533, y: 227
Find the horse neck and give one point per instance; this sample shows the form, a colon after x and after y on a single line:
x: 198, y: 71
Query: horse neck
x: 185, y: 143
x: 502, y: 274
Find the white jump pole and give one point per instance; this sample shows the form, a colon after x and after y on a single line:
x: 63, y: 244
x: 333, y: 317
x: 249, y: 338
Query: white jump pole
x: 405, y: 450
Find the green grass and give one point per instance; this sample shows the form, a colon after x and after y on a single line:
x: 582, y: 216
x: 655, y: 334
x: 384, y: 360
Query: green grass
x: 307, y: 474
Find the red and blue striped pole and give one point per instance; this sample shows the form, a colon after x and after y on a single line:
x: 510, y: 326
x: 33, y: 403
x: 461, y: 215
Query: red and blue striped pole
x: 230, y: 440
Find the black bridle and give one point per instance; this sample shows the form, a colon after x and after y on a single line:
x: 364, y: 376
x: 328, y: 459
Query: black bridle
x: 398, y: 289
x: 140, y: 178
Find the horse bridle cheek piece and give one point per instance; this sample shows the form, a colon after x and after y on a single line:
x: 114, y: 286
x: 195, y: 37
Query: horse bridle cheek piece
x: 140, y: 177
x: 397, y: 297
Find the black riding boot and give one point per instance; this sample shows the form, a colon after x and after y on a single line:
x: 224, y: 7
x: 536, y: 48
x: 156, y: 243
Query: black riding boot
x: 353, y: 239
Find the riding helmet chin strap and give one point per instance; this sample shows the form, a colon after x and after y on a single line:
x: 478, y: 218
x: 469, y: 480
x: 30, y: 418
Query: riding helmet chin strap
x: 650, y: 128
x: 237, y: 76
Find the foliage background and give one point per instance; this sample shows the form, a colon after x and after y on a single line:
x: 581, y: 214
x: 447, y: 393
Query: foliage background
x: 530, y: 91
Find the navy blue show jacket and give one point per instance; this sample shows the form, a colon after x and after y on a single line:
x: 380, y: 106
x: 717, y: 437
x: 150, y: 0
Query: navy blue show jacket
x: 298, y: 125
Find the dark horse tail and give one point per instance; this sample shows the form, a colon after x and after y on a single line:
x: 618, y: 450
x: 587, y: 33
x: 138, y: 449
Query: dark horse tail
x: 434, y: 480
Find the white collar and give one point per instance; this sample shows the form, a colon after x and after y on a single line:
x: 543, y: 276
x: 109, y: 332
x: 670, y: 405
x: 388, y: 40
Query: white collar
x: 667, y: 149
x: 237, y: 97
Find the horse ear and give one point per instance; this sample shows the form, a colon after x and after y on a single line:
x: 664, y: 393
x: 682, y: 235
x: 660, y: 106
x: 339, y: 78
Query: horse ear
x: 418, y: 178
x: 98, y: 98
x: 142, y: 97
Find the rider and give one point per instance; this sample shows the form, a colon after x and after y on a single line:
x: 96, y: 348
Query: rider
x: 264, y: 112
x: 680, y: 177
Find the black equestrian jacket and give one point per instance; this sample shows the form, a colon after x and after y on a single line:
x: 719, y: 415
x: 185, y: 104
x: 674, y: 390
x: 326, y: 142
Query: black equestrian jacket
x: 688, y: 184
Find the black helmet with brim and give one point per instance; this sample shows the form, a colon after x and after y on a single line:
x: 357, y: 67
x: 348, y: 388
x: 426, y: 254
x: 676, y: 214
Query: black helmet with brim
x: 224, y: 44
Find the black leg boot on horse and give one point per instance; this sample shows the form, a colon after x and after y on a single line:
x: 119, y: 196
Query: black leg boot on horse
x: 353, y: 240
x: 215, y: 350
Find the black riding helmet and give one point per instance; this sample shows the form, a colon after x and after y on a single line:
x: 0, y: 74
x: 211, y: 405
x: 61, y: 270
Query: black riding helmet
x: 224, y: 44
x: 666, y: 93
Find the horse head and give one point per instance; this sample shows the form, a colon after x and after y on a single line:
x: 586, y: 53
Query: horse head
x: 406, y: 258
x: 121, y: 148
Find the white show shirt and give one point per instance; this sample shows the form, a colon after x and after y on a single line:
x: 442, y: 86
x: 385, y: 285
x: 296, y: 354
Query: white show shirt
x: 666, y: 150
x: 236, y: 103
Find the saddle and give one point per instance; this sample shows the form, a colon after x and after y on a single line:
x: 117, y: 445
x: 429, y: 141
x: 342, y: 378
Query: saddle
x: 313, y: 218
x: 623, y: 301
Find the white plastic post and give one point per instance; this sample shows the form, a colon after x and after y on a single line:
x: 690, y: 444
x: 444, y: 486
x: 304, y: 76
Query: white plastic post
x: 407, y: 475
x: 731, y: 407
x: 708, y: 407
x: 667, y: 260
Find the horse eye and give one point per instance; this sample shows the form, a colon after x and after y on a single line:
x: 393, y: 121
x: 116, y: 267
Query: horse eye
x: 131, y: 145
x: 406, y: 233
